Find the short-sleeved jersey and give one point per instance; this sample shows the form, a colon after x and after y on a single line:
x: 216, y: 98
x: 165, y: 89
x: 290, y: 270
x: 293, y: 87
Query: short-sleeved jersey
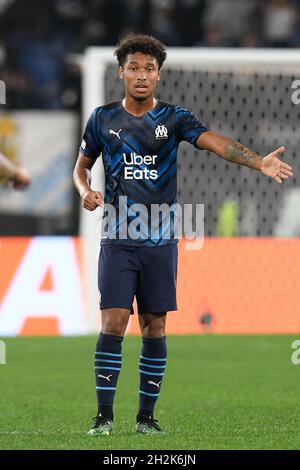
x: 139, y: 157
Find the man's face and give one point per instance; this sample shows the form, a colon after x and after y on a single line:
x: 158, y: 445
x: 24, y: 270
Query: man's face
x: 140, y: 73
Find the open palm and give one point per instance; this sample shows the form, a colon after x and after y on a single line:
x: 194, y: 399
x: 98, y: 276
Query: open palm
x: 275, y: 168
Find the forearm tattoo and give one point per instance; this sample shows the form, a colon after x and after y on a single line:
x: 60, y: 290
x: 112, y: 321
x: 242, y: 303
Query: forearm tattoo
x: 237, y: 153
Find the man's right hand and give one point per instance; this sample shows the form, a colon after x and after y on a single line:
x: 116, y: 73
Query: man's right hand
x: 91, y: 200
x: 20, y: 178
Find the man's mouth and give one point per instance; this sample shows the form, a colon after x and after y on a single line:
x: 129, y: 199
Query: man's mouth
x: 141, y: 87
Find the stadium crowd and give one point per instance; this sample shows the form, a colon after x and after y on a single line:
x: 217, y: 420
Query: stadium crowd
x: 37, y: 37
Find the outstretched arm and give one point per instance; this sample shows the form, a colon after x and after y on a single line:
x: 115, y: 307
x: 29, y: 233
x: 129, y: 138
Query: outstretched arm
x: 233, y: 151
x: 14, y: 173
x: 82, y: 180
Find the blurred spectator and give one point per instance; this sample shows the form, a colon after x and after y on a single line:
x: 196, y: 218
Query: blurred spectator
x: 93, y: 29
x: 233, y: 17
x: 136, y: 15
x: 296, y: 37
x: 37, y: 37
x: 189, y: 15
x: 251, y: 39
x: 70, y: 18
x: 279, y: 23
x: 212, y: 36
x: 35, y: 51
x: 162, y: 21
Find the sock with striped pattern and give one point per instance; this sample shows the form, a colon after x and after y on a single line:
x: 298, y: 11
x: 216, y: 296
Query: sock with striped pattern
x: 108, y: 362
x: 152, y: 367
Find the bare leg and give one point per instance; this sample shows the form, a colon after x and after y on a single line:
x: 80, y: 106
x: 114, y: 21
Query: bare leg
x: 114, y: 321
x: 153, y: 326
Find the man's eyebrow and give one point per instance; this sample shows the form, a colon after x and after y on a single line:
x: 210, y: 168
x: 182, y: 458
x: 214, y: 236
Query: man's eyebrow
x: 133, y: 62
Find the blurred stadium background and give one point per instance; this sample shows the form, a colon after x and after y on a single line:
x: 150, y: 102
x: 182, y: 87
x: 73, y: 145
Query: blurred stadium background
x: 233, y: 63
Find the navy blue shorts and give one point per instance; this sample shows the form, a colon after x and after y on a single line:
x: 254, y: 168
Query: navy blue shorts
x: 149, y: 273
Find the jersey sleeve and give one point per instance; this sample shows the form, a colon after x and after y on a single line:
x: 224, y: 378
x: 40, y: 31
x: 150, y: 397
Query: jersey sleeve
x: 91, y: 144
x: 188, y: 126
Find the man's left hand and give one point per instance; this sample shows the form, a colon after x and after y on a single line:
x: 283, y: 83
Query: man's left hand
x: 275, y: 168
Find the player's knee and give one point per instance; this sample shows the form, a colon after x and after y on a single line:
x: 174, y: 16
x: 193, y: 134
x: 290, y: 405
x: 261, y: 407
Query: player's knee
x: 116, y: 330
x: 116, y: 326
x: 114, y: 321
x: 153, y: 331
x: 153, y: 326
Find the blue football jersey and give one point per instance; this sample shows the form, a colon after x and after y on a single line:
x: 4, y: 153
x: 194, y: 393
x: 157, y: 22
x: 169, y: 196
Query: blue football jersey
x: 139, y: 157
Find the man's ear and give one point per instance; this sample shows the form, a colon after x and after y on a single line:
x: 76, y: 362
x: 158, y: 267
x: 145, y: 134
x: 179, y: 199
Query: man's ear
x: 121, y: 73
x: 158, y: 78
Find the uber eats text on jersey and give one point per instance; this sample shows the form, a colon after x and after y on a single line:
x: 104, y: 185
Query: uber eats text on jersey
x: 130, y: 172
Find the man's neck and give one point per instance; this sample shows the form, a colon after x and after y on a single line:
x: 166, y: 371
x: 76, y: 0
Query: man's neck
x: 138, y: 108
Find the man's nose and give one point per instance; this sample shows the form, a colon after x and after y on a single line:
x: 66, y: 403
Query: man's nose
x: 142, y: 75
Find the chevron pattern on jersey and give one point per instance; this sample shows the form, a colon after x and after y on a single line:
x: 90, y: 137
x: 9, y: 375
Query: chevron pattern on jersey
x: 140, y: 157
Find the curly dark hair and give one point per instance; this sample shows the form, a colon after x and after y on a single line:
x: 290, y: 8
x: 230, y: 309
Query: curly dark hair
x: 143, y: 43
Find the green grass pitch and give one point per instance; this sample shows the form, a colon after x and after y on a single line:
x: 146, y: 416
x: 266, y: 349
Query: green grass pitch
x: 219, y: 392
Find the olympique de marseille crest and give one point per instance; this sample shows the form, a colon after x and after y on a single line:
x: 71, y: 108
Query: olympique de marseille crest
x: 161, y: 132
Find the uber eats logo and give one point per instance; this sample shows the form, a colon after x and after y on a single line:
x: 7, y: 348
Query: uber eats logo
x: 133, y: 160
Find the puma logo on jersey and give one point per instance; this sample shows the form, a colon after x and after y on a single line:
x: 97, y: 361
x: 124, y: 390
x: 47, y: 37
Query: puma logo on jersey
x: 150, y: 382
x: 111, y: 131
x: 103, y: 377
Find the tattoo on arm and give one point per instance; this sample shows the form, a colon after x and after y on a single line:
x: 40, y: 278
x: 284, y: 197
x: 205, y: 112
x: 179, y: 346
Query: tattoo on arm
x: 237, y: 153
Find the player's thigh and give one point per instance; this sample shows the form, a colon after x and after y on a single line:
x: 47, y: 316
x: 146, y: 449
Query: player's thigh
x: 157, y: 282
x: 117, y: 277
